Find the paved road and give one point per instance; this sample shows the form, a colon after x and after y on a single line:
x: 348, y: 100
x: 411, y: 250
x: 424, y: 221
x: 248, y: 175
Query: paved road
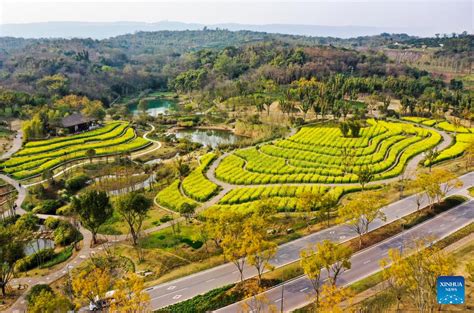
x: 199, y: 283
x: 298, y: 292
x: 84, y: 253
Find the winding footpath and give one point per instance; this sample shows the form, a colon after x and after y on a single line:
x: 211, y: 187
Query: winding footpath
x: 189, y: 286
x: 83, y: 254
x: 409, y: 171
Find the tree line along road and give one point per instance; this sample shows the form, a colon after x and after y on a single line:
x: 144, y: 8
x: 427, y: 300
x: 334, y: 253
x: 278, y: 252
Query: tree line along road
x: 187, y: 287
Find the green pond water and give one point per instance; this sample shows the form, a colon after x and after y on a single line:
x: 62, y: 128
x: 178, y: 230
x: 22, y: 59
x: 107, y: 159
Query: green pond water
x: 208, y: 137
x: 156, y: 106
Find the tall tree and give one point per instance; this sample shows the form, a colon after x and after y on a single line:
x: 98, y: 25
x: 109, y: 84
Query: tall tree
x: 133, y: 208
x: 130, y: 296
x: 143, y: 105
x: 331, y: 297
x: 91, y: 283
x: 361, y: 211
x: 334, y: 257
x: 312, y: 266
x: 431, y: 156
x: 308, y: 202
x: 416, y: 270
x: 259, y: 250
x: 365, y: 175
x: 90, y: 153
x: 94, y: 209
x: 12, y: 242
x: 234, y: 244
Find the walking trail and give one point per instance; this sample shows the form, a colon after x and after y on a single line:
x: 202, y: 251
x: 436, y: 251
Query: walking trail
x: 87, y: 251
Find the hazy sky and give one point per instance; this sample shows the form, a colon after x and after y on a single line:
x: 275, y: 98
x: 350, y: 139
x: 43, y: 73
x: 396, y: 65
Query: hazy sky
x: 443, y: 15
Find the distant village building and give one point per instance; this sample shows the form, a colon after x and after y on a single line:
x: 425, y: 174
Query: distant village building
x: 77, y: 122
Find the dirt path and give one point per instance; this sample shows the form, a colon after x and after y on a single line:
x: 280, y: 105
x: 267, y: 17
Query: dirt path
x: 17, y: 141
x: 97, y: 160
x: 410, y: 171
x: 86, y: 250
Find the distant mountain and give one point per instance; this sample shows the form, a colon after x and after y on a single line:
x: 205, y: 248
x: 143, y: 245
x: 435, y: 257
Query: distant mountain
x: 106, y: 30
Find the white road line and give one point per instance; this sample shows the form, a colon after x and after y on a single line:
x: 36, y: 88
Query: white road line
x: 304, y: 289
x: 209, y: 280
x: 278, y: 300
x: 177, y: 297
x: 367, y: 262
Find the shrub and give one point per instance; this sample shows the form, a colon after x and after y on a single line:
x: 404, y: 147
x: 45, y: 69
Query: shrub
x: 165, y: 218
x: 34, y: 260
x: 212, y: 300
x: 59, y: 257
x: 51, y: 223
x: 27, y: 221
x: 48, y: 207
x: 76, y: 183
x: 65, y: 234
x: 36, y: 290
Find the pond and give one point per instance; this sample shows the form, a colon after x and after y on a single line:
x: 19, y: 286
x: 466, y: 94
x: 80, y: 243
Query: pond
x: 208, y: 137
x: 156, y: 106
x: 37, y: 245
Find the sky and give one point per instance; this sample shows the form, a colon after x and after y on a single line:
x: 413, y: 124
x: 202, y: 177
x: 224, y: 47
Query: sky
x: 440, y: 15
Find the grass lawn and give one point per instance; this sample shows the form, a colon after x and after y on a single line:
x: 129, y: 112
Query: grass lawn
x: 168, y: 240
x: 116, y: 226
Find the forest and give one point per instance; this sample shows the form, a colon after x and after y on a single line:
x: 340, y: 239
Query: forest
x: 212, y: 62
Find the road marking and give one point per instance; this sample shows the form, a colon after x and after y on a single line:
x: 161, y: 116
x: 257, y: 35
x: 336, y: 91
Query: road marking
x: 306, y: 288
x: 209, y: 280
x: 442, y: 225
x: 235, y: 272
x: 177, y: 297
x: 171, y: 287
x: 284, y: 255
x: 367, y: 262
x: 342, y: 237
x: 278, y: 300
x: 82, y: 256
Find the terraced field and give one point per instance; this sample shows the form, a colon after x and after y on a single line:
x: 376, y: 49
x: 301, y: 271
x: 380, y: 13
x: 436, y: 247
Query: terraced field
x: 464, y: 136
x: 37, y: 156
x: 285, y: 198
x: 308, y: 161
x: 195, y: 187
x: 321, y: 155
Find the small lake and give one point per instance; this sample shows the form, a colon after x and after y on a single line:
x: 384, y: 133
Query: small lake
x: 37, y: 245
x: 208, y: 137
x: 156, y: 106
